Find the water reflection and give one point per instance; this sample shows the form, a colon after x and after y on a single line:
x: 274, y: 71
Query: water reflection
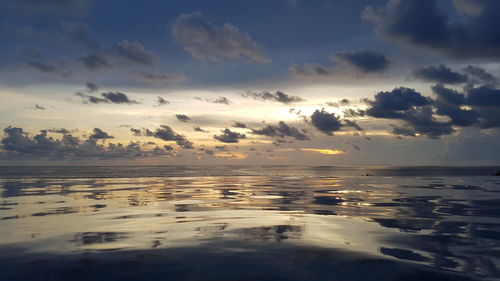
x: 446, y: 223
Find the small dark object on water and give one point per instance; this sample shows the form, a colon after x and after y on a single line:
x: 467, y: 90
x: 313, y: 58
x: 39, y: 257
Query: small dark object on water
x: 497, y: 174
x: 369, y: 175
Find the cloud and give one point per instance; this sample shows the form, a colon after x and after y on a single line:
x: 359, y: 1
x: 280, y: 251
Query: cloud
x: 158, y: 77
x: 449, y: 103
x: 16, y: 143
x: 107, y: 97
x: 353, y: 63
x: 95, y: 61
x: 278, y: 96
x: 198, y: 129
x: 415, y: 110
x: 311, y: 70
x: 161, y: 101
x: 391, y: 104
x: 479, y: 75
x: 165, y: 133
x: 424, y: 24
x: 182, y: 117
x: 99, y: 134
x: 229, y: 136
x: 281, y: 130
x: 366, y: 60
x: 439, y: 74
x: 326, y: 122
x: 484, y: 96
x: 91, y: 87
x: 59, y: 131
x: 133, y: 52
x: 208, y: 42
x: 237, y: 124
x: 219, y: 100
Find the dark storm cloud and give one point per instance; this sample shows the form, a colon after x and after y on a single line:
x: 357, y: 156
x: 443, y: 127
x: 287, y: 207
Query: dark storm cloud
x: 449, y: 102
x: 281, y: 130
x: 182, y: 117
x: 484, y: 96
x: 219, y: 100
x: 326, y: 122
x: 133, y: 52
x: 422, y: 121
x: 483, y: 101
x: 439, y: 74
x: 391, y: 104
x: 424, y: 24
x: 478, y: 107
x: 208, y: 42
x: 278, y: 96
x: 17, y: 143
x: 366, y: 60
x: 107, y: 97
x: 479, y: 75
x: 99, y: 134
x: 229, y: 136
x: 448, y: 95
x: 165, y: 133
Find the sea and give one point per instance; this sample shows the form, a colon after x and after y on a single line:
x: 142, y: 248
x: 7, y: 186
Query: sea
x: 235, y: 223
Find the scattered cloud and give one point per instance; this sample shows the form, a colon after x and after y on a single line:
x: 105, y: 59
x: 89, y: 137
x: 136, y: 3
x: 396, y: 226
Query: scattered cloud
x: 219, y: 100
x: 241, y: 125
x: 282, y: 130
x: 107, y: 97
x: 161, y: 101
x: 182, y: 117
x: 17, y: 143
x: 165, y: 133
x: 366, y: 60
x: 158, y: 77
x: 229, y: 136
x: 133, y: 52
x: 99, y: 134
x: 198, y: 129
x: 278, y: 96
x: 439, y: 74
x: 208, y: 42
x: 329, y: 123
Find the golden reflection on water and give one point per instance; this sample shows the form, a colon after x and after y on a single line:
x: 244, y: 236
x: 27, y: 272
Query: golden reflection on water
x: 377, y: 216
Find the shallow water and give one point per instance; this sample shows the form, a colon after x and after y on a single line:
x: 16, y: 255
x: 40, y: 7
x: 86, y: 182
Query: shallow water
x: 249, y: 223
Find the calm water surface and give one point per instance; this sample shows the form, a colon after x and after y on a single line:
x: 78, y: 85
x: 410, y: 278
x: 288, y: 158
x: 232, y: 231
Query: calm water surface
x: 249, y: 223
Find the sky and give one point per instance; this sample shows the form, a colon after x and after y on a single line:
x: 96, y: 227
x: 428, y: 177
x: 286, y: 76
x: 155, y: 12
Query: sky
x: 294, y: 82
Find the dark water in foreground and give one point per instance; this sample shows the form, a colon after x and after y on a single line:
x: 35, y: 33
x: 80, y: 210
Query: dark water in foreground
x: 249, y: 223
